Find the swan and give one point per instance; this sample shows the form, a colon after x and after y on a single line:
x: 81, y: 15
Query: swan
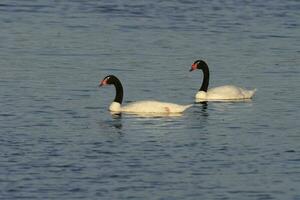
x: 221, y: 93
x: 147, y: 106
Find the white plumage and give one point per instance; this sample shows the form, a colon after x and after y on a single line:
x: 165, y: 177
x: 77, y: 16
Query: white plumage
x: 147, y: 106
x: 226, y: 92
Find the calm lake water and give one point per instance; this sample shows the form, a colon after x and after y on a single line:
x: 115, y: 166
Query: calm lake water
x: 58, y: 140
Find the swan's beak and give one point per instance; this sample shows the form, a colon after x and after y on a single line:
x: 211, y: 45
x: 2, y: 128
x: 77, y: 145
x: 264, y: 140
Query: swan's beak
x: 193, y: 67
x: 101, y: 83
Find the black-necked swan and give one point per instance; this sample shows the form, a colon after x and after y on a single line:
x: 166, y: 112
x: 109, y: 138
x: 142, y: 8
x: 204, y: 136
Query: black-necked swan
x: 147, y: 106
x: 226, y: 92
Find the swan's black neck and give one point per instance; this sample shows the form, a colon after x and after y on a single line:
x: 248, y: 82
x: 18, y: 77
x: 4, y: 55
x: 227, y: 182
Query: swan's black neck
x: 205, y: 81
x: 119, y: 89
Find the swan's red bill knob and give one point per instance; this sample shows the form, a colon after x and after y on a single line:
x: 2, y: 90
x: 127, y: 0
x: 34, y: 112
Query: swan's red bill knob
x: 103, y: 82
x: 193, y: 67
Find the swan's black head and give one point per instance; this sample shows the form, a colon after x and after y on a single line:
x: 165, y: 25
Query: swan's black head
x: 198, y: 64
x: 110, y: 79
x: 113, y: 80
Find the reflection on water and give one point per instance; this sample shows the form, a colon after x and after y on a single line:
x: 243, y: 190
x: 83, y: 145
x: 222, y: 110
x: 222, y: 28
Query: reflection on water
x: 200, y: 116
x: 223, y: 100
x: 115, y: 123
x: 204, y: 106
x: 116, y: 115
x: 146, y: 115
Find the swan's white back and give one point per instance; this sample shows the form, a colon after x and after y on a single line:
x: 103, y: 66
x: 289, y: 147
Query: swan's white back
x: 149, y: 107
x: 226, y: 92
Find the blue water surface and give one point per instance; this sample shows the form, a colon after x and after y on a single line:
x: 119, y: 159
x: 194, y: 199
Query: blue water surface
x: 58, y: 140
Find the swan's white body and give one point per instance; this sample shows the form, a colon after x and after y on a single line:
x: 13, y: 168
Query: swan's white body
x: 226, y: 92
x: 222, y: 93
x: 139, y: 107
x: 149, y: 107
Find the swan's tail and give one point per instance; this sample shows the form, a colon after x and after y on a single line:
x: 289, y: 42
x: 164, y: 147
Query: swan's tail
x: 187, y: 106
x: 250, y: 93
x: 177, y: 108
